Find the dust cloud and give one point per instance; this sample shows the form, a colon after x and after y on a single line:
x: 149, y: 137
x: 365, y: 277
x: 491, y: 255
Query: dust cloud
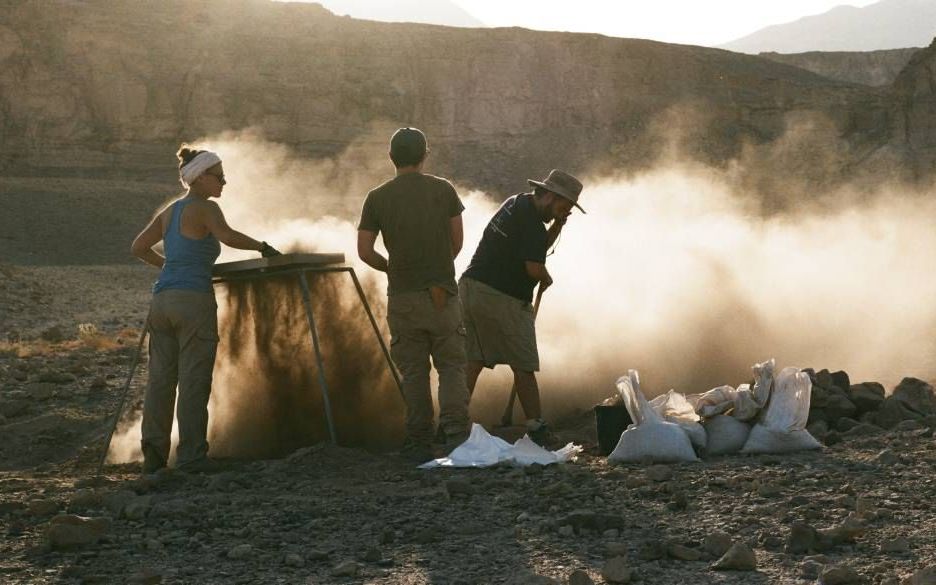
x: 683, y: 272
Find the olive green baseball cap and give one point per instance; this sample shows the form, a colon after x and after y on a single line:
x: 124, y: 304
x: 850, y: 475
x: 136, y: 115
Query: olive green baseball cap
x: 408, y: 143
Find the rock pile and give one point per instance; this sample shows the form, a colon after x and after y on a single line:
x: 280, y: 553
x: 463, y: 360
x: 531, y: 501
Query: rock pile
x: 840, y: 409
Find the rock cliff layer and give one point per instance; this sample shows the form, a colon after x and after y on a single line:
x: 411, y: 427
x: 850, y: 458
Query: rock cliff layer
x: 93, y: 82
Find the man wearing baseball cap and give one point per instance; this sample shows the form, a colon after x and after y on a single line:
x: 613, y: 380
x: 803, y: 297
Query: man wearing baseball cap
x: 419, y: 217
x: 497, y: 288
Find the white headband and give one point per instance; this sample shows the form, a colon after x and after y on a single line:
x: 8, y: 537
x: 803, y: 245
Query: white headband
x: 197, y: 166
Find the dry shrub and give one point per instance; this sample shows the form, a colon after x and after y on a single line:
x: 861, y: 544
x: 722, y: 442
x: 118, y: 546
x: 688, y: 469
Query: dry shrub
x: 26, y: 348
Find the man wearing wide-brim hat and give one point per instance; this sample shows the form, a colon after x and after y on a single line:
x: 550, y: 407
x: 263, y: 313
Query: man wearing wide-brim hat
x: 497, y: 288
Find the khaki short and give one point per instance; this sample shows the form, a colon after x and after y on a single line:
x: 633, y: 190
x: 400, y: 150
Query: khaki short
x: 500, y: 327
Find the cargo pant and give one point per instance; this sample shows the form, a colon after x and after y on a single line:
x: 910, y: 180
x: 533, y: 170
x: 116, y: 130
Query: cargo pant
x: 418, y: 332
x: 183, y: 328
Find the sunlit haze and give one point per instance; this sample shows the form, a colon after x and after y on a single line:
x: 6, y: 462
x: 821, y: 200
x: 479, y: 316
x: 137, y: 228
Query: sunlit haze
x: 674, y: 21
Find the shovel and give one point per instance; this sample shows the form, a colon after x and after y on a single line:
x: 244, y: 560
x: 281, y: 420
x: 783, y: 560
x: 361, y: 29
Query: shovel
x: 123, y: 396
x: 507, y: 418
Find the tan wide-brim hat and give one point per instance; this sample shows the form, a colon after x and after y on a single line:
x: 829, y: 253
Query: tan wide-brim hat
x: 562, y: 184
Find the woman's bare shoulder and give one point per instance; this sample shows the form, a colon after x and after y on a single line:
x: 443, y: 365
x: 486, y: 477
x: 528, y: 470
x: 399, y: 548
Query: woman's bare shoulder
x: 204, y: 205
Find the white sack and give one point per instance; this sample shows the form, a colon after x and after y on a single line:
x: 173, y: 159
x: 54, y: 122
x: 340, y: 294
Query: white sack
x: 763, y: 381
x: 650, y: 438
x: 744, y: 405
x: 675, y: 408
x: 726, y: 434
x: 484, y: 450
x: 782, y: 429
x: 714, y: 402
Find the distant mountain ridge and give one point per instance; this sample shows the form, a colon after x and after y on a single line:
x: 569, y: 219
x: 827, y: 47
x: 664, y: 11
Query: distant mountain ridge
x: 442, y: 12
x: 874, y: 68
x: 888, y: 24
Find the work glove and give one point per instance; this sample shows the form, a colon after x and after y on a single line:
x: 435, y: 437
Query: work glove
x: 268, y: 251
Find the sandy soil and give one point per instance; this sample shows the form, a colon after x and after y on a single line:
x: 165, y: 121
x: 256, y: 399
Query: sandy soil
x: 332, y: 515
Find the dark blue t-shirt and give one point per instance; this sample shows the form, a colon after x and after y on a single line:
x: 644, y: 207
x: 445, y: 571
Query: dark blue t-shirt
x: 514, y: 235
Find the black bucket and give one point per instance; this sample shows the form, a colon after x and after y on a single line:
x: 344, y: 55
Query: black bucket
x: 611, y: 422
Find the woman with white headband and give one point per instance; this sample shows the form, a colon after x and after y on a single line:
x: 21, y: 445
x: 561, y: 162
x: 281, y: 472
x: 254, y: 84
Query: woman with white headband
x: 183, y: 321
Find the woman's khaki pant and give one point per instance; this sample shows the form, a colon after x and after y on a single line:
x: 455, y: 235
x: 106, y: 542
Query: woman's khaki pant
x: 183, y: 328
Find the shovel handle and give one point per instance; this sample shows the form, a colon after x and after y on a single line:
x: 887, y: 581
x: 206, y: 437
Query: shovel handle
x: 536, y: 303
x: 507, y: 417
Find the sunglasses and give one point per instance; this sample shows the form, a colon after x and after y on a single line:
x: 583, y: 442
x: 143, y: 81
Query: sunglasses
x: 219, y: 177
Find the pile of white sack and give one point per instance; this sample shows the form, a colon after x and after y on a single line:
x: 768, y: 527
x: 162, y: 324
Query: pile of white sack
x: 768, y: 418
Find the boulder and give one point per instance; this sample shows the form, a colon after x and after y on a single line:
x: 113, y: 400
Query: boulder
x: 925, y: 576
x: 887, y: 457
x: 909, y: 425
x: 69, y: 531
x: 580, y: 577
x: 651, y: 550
x: 819, y: 428
x: 916, y: 395
x: 841, y: 380
x: 137, y: 508
x: 115, y: 501
x: 616, y: 570
x: 892, y: 412
x: 717, y: 543
x: 84, y: 499
x: 897, y: 545
x: 838, y: 405
x: 660, y: 473
x: 867, y: 396
x: 837, y: 575
x: 802, y: 539
x: 863, y: 430
x: 817, y: 398
x: 850, y: 529
x: 740, y: 557
x: 42, y: 507
x: 845, y: 424
x: 683, y: 553
x: 810, y: 570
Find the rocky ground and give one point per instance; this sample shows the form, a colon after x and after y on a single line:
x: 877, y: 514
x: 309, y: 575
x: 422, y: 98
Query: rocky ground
x: 860, y: 511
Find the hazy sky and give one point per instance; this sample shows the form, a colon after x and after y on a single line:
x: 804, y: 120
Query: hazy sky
x: 697, y: 22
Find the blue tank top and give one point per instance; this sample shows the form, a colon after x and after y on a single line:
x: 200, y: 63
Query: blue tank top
x: 188, y: 261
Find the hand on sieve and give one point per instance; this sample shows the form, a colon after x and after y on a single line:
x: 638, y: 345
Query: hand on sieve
x: 268, y: 251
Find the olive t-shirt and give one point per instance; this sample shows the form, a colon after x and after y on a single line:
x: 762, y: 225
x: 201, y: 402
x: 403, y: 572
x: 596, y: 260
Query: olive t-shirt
x: 413, y: 212
x: 514, y: 235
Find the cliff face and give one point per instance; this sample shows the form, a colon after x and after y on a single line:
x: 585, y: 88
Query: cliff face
x: 915, y: 98
x: 874, y: 68
x: 95, y: 81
